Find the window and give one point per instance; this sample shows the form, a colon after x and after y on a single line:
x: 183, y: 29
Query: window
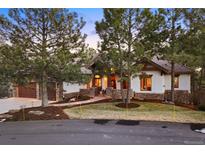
x: 97, y: 81
x: 112, y: 80
x: 176, y: 82
x: 146, y: 83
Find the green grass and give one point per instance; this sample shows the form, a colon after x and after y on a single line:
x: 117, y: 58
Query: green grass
x: 146, y: 111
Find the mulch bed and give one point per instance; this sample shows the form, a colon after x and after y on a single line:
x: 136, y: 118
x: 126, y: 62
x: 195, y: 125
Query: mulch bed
x: 128, y: 106
x: 189, y: 106
x: 50, y: 113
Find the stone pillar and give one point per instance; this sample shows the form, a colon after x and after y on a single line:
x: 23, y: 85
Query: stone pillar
x: 14, y: 90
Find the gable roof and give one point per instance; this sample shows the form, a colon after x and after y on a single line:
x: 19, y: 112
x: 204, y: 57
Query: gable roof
x: 166, y: 66
x: 95, y: 58
x: 161, y: 64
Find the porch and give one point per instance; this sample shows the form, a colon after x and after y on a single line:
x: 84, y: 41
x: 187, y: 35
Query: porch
x: 103, y: 82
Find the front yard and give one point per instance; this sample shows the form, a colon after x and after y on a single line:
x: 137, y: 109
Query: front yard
x: 146, y: 111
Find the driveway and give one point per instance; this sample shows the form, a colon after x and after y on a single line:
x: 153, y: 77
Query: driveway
x: 7, y: 104
x: 98, y: 132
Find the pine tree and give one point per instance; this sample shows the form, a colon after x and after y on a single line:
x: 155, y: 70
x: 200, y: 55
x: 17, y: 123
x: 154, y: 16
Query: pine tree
x: 193, y: 40
x: 128, y: 36
x: 45, y: 39
x: 172, y: 32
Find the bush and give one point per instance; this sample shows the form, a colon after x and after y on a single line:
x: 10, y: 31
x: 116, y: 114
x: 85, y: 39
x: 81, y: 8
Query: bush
x: 4, y: 90
x: 201, y: 107
x: 83, y: 98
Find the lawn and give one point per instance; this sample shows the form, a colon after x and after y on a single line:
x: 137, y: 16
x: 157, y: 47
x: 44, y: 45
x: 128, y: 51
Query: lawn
x: 146, y: 111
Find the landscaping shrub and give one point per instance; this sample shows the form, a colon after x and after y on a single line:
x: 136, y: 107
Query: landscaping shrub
x: 83, y: 98
x: 201, y: 107
x: 4, y: 90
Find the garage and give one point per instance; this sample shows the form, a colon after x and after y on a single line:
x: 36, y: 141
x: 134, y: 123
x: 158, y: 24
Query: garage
x: 51, y: 89
x: 30, y: 91
x: 27, y: 91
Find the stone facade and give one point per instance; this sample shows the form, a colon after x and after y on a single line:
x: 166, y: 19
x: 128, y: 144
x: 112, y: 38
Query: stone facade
x: 116, y: 93
x: 71, y: 95
x: 14, y: 91
x: 83, y: 92
x: 88, y: 92
x: 180, y: 96
x: 149, y: 96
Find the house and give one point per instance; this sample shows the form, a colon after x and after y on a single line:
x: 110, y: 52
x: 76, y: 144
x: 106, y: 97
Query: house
x: 33, y: 89
x: 152, y: 83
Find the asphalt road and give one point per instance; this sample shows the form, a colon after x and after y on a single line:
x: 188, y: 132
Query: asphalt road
x: 98, y: 132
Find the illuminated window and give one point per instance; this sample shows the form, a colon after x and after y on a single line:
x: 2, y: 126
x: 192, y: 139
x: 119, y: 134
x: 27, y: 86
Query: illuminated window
x: 97, y: 81
x: 97, y: 76
x: 105, y: 82
x: 112, y: 70
x: 176, y: 82
x: 146, y: 83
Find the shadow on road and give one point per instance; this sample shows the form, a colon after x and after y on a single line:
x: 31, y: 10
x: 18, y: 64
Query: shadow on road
x: 101, y: 122
x: 127, y: 122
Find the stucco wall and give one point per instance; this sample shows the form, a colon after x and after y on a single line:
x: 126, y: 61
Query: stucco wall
x: 157, y: 83
x: 117, y: 82
x: 72, y: 87
x: 184, y: 82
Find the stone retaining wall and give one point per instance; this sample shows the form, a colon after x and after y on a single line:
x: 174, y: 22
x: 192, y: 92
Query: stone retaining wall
x: 116, y: 93
x: 149, y: 97
x: 83, y: 92
x: 70, y: 95
x: 180, y: 96
x: 88, y: 92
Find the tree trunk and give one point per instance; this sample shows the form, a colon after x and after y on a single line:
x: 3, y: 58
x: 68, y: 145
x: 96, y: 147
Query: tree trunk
x: 200, y: 79
x: 128, y: 89
x: 129, y: 51
x: 44, y: 90
x: 172, y: 81
x: 121, y: 88
x: 192, y: 83
x: 60, y: 88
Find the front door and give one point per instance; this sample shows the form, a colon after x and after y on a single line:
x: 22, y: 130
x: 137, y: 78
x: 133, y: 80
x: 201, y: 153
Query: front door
x: 97, y: 83
x: 112, y: 81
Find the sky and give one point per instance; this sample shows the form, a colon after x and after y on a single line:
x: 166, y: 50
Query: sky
x: 90, y: 15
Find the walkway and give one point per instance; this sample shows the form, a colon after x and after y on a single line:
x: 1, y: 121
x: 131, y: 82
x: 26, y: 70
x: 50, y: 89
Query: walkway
x: 93, y: 100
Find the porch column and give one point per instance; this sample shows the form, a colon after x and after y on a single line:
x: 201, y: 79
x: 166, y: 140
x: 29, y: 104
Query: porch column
x: 117, y: 82
x: 109, y: 81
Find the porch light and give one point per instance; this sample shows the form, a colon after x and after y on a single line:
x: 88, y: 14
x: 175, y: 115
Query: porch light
x: 97, y: 76
x: 112, y: 69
